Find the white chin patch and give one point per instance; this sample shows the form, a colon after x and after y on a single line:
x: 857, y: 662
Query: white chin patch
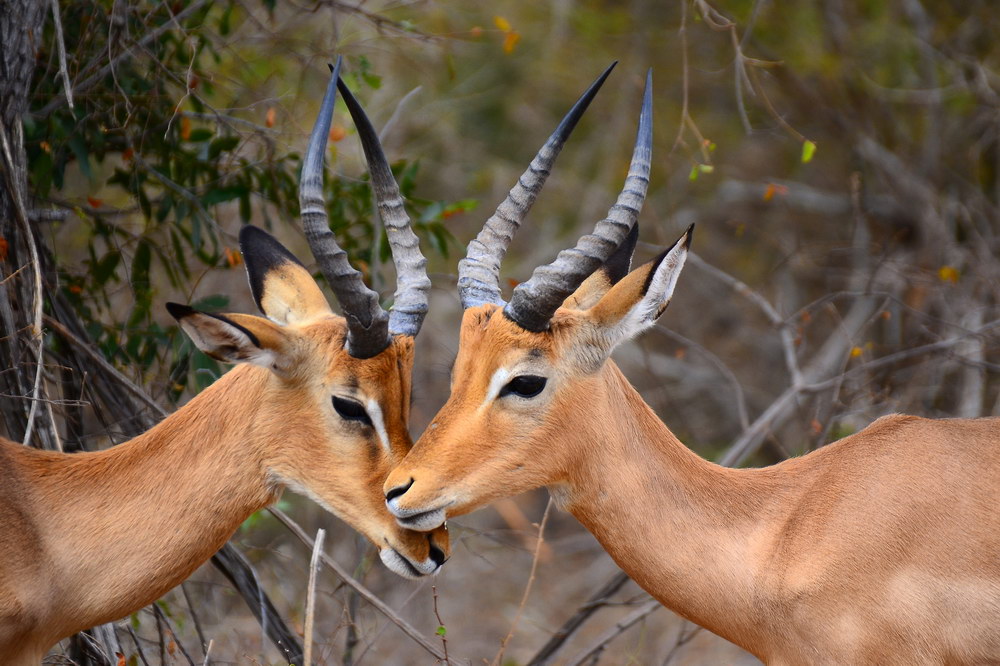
x: 404, y: 567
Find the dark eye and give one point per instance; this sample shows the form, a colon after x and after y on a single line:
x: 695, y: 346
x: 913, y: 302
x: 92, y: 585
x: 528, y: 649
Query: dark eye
x: 351, y: 410
x: 525, y: 386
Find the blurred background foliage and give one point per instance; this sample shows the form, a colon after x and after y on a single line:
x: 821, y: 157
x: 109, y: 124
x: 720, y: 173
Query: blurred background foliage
x: 841, y: 159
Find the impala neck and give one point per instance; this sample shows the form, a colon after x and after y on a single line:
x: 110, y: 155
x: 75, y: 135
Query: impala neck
x: 691, y: 533
x: 125, y: 525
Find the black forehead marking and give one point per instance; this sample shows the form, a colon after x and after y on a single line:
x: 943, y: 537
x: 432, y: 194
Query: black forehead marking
x: 536, y: 353
x: 352, y: 382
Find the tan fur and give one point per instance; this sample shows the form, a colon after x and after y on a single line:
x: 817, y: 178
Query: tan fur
x: 90, y: 537
x: 882, y: 548
x: 291, y: 296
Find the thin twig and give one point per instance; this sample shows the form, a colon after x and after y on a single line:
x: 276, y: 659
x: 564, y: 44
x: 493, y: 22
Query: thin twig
x: 148, y: 38
x: 93, y: 355
x: 597, y: 600
x: 613, y: 632
x: 138, y: 647
x: 527, y: 587
x: 311, y: 595
x: 441, y: 628
x: 784, y: 327
x: 197, y: 621
x: 365, y: 593
x: 173, y: 635
x: 21, y: 213
x: 683, y: 638
x: 61, y: 47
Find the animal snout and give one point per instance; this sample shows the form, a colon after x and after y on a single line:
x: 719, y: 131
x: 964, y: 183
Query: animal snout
x: 395, y: 492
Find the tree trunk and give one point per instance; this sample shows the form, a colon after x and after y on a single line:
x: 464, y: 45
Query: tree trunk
x: 21, y: 23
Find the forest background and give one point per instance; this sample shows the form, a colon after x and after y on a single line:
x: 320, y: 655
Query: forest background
x: 841, y: 160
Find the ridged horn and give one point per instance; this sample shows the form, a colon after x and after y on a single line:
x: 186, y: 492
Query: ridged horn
x: 412, y: 284
x: 479, y: 271
x: 367, y: 322
x: 534, y: 302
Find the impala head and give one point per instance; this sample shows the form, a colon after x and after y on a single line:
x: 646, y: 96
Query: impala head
x: 531, y: 377
x: 333, y: 419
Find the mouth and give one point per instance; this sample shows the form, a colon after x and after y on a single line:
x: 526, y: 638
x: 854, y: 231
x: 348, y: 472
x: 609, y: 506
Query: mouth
x: 406, y: 568
x: 417, y: 519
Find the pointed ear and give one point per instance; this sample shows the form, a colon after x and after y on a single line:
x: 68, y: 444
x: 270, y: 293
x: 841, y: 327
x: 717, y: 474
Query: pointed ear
x: 637, y: 301
x: 600, y: 281
x: 237, y: 338
x: 282, y: 287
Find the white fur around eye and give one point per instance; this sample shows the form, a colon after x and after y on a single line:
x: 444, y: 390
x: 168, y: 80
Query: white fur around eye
x: 497, y: 382
x: 375, y: 414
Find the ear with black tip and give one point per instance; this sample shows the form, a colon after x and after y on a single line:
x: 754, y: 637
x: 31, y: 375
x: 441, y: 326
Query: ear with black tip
x: 282, y: 287
x: 237, y: 338
x: 637, y: 301
x: 611, y: 271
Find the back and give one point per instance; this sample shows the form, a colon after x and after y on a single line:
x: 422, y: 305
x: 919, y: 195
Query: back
x: 917, y: 501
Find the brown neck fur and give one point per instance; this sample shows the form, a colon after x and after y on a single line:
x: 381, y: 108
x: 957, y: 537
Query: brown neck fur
x: 124, y: 525
x: 709, y: 519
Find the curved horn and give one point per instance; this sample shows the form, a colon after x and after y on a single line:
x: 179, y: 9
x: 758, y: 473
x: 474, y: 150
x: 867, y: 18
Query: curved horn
x: 479, y: 271
x: 412, y: 284
x: 534, y: 302
x: 367, y: 322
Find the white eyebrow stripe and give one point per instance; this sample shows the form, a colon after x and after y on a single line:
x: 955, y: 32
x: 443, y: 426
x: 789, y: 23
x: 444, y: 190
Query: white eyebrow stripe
x: 497, y: 382
x: 375, y: 414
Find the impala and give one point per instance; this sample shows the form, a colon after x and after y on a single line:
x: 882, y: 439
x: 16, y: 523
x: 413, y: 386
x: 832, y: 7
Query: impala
x: 319, y: 404
x: 882, y: 548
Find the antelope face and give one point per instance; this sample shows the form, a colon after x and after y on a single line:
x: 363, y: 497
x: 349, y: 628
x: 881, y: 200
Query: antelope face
x: 334, y: 419
x: 341, y: 449
x: 330, y: 425
x: 489, y: 439
x: 530, y: 383
x: 522, y: 402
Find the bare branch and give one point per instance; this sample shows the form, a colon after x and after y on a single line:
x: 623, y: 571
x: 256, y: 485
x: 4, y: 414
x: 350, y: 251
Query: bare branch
x: 311, y: 595
x: 614, y: 631
x: 365, y: 593
x: 497, y: 660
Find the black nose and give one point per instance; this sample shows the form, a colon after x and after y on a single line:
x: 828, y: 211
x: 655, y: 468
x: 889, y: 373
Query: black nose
x: 436, y: 553
x: 398, y: 490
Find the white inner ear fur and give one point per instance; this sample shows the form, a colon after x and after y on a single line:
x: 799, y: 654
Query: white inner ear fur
x: 226, y: 342
x: 647, y: 309
x: 378, y: 422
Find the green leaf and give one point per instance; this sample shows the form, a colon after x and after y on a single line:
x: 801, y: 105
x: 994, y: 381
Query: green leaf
x: 441, y: 631
x: 200, y: 134
x: 223, y: 143
x: 211, y: 302
x: 808, y: 150
x: 41, y: 174
x: 79, y: 148
x: 105, y: 268
x: 221, y: 195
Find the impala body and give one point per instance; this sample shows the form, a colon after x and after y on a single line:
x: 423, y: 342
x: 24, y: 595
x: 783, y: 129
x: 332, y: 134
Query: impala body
x: 319, y: 404
x: 882, y: 548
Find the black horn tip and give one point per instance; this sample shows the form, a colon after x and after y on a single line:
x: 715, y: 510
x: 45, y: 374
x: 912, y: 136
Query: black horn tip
x: 646, y: 114
x: 576, y: 112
